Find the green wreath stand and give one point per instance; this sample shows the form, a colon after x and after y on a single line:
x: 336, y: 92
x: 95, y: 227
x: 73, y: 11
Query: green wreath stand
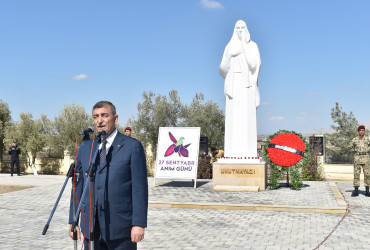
x: 293, y: 171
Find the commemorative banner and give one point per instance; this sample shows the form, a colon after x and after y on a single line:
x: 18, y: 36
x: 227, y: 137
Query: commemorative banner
x: 177, y: 153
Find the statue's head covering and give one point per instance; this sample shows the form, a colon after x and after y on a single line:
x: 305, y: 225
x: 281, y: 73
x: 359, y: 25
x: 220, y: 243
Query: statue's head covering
x: 235, y: 42
x: 246, y: 37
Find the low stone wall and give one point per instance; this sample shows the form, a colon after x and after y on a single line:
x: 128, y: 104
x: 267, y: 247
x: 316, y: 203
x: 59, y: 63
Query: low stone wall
x: 5, y: 166
x: 43, y: 166
x: 339, y: 172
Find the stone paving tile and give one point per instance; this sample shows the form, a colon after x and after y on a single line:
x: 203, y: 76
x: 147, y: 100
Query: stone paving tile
x: 235, y: 228
x: 312, y: 194
x: 353, y: 232
x: 23, y: 215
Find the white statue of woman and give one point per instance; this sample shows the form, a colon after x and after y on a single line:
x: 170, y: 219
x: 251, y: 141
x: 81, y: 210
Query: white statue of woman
x: 240, y: 67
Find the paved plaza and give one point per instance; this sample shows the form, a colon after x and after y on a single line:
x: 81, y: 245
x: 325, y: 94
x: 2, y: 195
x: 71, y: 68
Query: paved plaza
x: 181, y: 217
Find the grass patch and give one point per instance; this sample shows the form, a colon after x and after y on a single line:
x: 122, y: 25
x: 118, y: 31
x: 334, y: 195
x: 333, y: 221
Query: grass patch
x: 10, y: 188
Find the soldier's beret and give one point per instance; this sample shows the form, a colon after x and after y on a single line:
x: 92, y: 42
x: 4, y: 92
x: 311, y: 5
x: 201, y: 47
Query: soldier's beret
x: 15, y: 141
x: 127, y: 128
x: 360, y: 127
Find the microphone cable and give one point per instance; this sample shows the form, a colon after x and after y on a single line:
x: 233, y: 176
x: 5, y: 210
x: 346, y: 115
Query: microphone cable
x: 74, y: 189
x: 92, y: 146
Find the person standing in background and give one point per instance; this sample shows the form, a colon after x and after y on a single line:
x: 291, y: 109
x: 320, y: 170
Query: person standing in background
x: 14, y: 152
x: 128, y: 131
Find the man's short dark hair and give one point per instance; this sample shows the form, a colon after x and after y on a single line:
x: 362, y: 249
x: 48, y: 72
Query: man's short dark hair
x: 101, y: 104
x: 213, y: 149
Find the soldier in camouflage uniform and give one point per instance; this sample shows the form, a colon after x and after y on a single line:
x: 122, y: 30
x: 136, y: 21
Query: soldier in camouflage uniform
x: 361, y: 146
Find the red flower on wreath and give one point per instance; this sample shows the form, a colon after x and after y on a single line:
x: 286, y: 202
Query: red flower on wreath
x: 286, y: 149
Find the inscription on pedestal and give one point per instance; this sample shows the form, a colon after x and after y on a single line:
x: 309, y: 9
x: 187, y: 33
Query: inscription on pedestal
x: 238, y: 171
x: 240, y: 174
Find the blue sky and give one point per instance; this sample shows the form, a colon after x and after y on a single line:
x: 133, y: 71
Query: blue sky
x: 314, y: 53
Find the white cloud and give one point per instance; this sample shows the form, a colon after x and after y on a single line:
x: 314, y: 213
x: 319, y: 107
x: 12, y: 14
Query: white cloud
x: 366, y: 85
x: 210, y: 4
x: 348, y: 87
x: 303, y: 113
x: 79, y: 77
x: 276, y: 118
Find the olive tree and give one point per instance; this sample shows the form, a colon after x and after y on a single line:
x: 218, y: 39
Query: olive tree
x: 168, y: 111
x: 30, y: 134
x: 208, y: 116
x: 69, y: 122
x: 155, y: 111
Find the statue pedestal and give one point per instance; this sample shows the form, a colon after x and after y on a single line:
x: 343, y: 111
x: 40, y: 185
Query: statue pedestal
x: 242, y: 176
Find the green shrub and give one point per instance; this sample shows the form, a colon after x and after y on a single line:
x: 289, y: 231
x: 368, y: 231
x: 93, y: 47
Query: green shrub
x: 204, y: 168
x: 312, y: 171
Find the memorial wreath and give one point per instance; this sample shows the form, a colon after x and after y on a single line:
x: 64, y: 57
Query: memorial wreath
x: 286, y: 149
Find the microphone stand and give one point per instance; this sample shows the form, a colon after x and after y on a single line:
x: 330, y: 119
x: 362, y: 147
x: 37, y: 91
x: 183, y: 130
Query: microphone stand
x: 90, y: 179
x: 69, y: 174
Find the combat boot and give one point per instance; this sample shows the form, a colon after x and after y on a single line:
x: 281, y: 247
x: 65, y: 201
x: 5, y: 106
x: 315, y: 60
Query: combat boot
x: 355, y: 192
x: 367, y: 192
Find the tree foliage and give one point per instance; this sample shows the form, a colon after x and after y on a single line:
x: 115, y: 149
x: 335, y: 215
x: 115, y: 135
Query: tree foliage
x: 5, y: 119
x: 345, y: 130
x: 59, y: 135
x: 154, y: 112
x: 168, y: 111
x: 70, y: 121
x: 30, y: 134
x: 44, y: 135
x: 209, y: 117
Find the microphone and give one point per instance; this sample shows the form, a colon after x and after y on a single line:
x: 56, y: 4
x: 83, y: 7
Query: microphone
x: 87, y: 131
x: 104, y: 132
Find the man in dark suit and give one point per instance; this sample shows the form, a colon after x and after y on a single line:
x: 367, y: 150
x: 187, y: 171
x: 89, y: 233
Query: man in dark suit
x: 121, y: 185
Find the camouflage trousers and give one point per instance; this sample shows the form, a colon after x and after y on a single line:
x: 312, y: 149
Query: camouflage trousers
x: 357, y: 173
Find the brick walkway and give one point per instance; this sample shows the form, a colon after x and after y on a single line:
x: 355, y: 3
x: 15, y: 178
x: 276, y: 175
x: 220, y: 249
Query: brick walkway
x: 23, y: 215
